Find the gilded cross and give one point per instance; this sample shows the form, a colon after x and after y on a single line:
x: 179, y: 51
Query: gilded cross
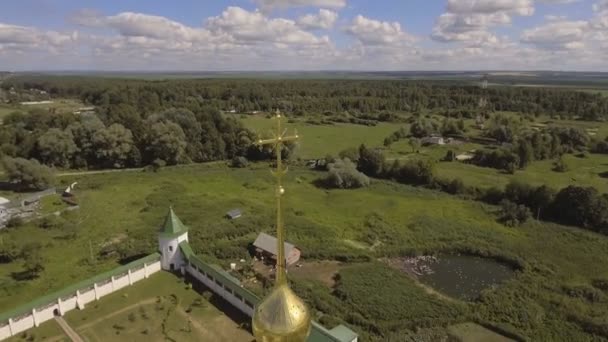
x: 278, y: 141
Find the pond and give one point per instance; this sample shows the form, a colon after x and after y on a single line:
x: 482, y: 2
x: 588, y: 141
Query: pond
x: 462, y: 276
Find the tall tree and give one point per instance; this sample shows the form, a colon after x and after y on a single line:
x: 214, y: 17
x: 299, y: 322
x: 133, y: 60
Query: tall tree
x: 114, y: 146
x: 28, y: 174
x: 56, y: 147
x: 167, y: 142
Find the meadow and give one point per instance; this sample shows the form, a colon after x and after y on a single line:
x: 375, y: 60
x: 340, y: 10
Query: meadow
x: 320, y: 140
x: 557, y: 293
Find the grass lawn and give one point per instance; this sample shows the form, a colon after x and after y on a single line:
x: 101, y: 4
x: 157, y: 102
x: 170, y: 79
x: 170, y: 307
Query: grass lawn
x: 126, y: 209
x: 6, y: 110
x: 160, y: 308
x: 48, y: 331
x: 471, y: 332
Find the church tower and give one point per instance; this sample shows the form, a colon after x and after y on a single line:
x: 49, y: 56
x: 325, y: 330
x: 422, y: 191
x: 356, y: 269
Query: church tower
x: 172, y: 233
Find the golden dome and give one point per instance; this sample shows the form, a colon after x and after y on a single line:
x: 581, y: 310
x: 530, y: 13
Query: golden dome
x: 281, y: 316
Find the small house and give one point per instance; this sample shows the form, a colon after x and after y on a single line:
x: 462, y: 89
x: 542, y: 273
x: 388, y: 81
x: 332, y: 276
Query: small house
x: 266, y: 246
x: 234, y: 214
x: 433, y: 140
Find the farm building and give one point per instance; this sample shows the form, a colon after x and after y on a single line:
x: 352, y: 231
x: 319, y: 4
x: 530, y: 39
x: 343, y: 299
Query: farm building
x: 266, y: 246
x: 234, y: 214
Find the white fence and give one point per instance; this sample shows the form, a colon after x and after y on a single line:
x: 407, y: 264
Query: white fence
x: 77, y: 299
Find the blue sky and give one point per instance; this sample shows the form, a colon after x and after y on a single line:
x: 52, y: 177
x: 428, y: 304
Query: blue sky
x: 304, y: 34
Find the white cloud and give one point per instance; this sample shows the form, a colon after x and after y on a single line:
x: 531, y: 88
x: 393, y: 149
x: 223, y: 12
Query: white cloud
x: 251, y: 27
x: 23, y: 37
x: 375, y: 32
x: 469, y: 21
x: 555, y: 35
x: 516, y: 7
x: 270, y: 4
x: 558, y: 2
x: 324, y: 20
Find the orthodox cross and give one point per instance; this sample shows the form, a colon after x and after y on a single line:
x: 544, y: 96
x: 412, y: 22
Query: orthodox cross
x: 278, y: 141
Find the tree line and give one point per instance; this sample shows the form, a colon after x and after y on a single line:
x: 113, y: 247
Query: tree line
x: 372, y: 98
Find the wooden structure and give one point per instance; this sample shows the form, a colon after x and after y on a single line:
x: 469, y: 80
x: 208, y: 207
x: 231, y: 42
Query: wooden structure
x: 266, y: 247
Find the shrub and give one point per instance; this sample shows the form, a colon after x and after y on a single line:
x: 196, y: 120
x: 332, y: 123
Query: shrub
x: 512, y: 214
x: 14, y: 221
x: 560, y: 165
x: 28, y: 174
x: 343, y: 174
x: 239, y: 162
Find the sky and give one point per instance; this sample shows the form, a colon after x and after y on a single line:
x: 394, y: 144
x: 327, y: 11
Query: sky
x: 244, y: 35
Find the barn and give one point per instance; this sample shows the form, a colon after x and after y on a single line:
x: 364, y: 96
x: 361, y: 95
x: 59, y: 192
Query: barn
x: 266, y: 246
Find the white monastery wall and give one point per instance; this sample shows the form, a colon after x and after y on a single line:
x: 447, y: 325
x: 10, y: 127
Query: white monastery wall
x: 104, y: 289
x: 86, y: 297
x: 137, y: 275
x: 22, y: 324
x: 221, y: 291
x: 79, y: 300
x: 121, y: 282
x: 5, y: 331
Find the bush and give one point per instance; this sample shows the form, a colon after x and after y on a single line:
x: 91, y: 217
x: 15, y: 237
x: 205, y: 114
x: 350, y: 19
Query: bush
x: 14, y: 221
x: 239, y: 162
x: 416, y: 172
x: 580, y: 206
x: 560, y: 165
x: 343, y: 174
x: 28, y: 174
x: 512, y: 214
x: 158, y: 164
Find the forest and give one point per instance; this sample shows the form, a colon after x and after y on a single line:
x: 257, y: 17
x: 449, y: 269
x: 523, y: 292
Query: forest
x: 300, y: 97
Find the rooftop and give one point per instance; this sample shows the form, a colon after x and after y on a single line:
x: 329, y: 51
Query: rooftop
x: 173, y: 226
x: 269, y: 244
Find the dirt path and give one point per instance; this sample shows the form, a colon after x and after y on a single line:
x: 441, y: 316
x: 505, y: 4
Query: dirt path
x: 67, y: 329
x: 96, y: 172
x: 138, y: 169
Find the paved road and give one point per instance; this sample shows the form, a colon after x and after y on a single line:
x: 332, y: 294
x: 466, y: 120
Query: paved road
x: 68, y: 330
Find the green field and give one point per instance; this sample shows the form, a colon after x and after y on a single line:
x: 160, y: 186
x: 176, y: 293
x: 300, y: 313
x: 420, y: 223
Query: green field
x: 403, y: 219
x: 582, y: 172
x: 319, y: 140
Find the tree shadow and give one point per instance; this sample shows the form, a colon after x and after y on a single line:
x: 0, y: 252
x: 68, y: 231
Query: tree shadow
x: 221, y: 304
x: 321, y: 184
x: 23, y: 275
x: 131, y: 258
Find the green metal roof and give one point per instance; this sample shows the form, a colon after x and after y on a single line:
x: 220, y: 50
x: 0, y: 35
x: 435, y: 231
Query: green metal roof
x: 71, y: 290
x: 173, y: 226
x: 343, y: 333
x: 184, y: 246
